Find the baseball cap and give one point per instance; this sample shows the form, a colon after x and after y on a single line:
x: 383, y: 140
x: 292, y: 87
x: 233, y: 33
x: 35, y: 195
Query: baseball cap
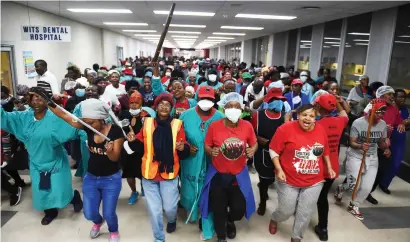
x: 274, y: 93
x: 206, y: 92
x: 327, y: 101
x: 304, y: 73
x: 377, y: 103
x: 284, y: 75
x: 246, y: 75
x: 297, y: 81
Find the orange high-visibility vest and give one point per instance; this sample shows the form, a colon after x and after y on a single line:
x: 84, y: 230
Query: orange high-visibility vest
x: 149, y: 168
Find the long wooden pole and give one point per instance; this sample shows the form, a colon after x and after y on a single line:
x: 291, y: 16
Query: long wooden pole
x: 164, y: 33
x: 359, y: 175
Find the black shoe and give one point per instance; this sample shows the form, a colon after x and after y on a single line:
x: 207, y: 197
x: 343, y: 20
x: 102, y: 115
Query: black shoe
x: 171, y: 227
x: 321, y: 233
x: 262, y: 208
x: 15, y: 198
x: 385, y: 190
x: 221, y: 240
x: 200, y: 224
x: 371, y: 199
x: 230, y: 230
x: 48, y: 219
x: 77, y: 202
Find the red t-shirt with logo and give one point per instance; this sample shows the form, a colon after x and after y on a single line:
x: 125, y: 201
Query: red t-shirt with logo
x: 181, y: 107
x: 232, y: 142
x: 334, y: 127
x: 301, y: 153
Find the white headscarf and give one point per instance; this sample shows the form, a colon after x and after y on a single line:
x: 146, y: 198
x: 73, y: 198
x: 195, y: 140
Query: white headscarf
x: 383, y: 90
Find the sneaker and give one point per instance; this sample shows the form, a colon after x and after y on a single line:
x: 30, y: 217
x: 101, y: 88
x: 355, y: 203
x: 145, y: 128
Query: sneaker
x: 321, y: 233
x: 355, y: 211
x: 114, y: 237
x: 133, y: 198
x: 230, y: 230
x: 95, y: 230
x: 171, y: 227
x: 252, y: 169
x: 339, y: 193
x: 372, y: 200
x: 15, y: 198
x: 262, y: 208
x: 273, y: 227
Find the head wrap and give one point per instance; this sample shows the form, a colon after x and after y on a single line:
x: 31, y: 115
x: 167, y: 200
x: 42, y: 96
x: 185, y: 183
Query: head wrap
x: 364, y: 77
x: 384, y: 90
x: 103, y: 72
x: 317, y: 94
x: 231, y: 97
x: 21, y: 90
x: 113, y: 71
x: 94, y: 109
x: 190, y: 89
x: 92, y: 73
x: 277, y: 84
x: 83, y: 82
x: 70, y: 85
x: 164, y: 97
x: 284, y: 75
x: 136, y: 97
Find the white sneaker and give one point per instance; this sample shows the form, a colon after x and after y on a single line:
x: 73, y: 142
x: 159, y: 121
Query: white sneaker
x: 355, y: 211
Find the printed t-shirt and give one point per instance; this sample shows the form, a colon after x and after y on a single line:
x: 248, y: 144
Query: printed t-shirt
x: 334, y: 127
x: 181, y: 107
x: 232, y: 143
x: 359, y: 130
x: 392, y: 117
x: 300, y: 153
x: 99, y: 164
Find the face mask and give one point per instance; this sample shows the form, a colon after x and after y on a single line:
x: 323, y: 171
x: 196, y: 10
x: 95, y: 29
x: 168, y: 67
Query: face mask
x: 127, y: 78
x: 4, y: 101
x: 212, y: 78
x: 296, y: 99
x: 134, y: 112
x: 233, y: 114
x: 276, y: 106
x: 80, y: 92
x: 303, y: 78
x: 167, y: 73
x: 205, y: 105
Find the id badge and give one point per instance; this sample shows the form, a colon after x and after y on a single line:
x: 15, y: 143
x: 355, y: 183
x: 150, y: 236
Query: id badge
x: 45, y: 180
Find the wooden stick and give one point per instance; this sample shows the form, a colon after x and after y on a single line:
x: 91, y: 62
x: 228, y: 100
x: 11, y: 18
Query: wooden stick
x: 359, y: 175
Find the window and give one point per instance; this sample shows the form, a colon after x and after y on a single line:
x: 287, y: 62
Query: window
x: 291, y: 55
x: 304, y: 48
x: 354, y: 59
x: 331, y: 45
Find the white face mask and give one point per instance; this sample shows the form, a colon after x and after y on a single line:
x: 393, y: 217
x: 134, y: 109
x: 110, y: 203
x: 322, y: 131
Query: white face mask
x: 205, y: 105
x: 135, y: 112
x: 303, y: 78
x: 212, y: 78
x: 296, y: 99
x: 167, y: 73
x: 233, y: 114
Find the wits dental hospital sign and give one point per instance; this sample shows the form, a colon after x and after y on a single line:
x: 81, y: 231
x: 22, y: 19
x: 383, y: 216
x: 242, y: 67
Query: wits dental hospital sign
x: 46, y: 33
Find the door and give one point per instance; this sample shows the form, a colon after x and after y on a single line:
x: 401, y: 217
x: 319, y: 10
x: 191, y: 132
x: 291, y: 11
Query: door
x: 120, y: 55
x: 8, y: 73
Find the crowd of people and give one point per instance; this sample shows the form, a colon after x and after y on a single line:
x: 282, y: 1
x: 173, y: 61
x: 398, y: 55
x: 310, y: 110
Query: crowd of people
x: 192, y: 131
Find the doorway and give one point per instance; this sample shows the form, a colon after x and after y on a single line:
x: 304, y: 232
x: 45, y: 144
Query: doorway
x: 120, y: 55
x: 8, y: 68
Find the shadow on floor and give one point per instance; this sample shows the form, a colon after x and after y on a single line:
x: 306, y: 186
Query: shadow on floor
x: 386, y: 217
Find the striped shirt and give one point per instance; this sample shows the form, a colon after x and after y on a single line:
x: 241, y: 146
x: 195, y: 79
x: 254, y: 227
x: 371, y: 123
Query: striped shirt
x: 48, y: 82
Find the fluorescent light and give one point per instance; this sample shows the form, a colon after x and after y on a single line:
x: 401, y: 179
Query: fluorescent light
x: 187, y: 25
x: 331, y: 38
x: 325, y: 46
x: 404, y: 36
x: 335, y: 45
x: 348, y: 46
x: 183, y: 32
x: 262, y: 16
x: 183, y: 36
x: 364, y: 40
x: 332, y: 42
x: 147, y: 35
x: 361, y: 44
x: 304, y: 47
x: 125, y: 23
x: 403, y: 42
x: 185, y: 13
x: 151, y: 38
x: 216, y: 37
x: 306, y: 41
x: 215, y: 40
x: 98, y: 10
x: 356, y: 33
x: 139, y: 30
x: 241, y: 27
x: 221, y: 33
x: 185, y: 39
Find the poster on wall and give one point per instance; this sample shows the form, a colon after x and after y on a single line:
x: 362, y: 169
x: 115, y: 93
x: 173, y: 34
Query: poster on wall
x: 46, y: 33
x: 28, y: 61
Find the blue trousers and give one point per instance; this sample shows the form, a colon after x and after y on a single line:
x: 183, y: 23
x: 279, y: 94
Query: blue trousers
x: 106, y: 189
x: 161, y: 195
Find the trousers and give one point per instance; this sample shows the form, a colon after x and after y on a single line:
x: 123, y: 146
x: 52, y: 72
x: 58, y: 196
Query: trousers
x: 298, y: 201
x: 323, y: 204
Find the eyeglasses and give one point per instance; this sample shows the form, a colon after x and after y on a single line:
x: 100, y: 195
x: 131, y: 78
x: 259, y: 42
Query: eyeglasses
x: 164, y: 106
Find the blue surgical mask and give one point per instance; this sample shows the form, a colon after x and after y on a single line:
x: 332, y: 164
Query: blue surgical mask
x: 80, y: 92
x: 128, y: 78
x: 275, y: 105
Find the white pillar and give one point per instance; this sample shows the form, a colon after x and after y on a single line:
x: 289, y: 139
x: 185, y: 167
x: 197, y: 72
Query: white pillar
x: 246, y: 52
x: 270, y: 51
x: 316, y: 49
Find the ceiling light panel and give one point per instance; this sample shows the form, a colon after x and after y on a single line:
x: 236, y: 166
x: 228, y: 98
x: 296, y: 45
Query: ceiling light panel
x: 139, y: 30
x: 185, y: 13
x: 404, y: 36
x: 125, y: 24
x: 331, y: 38
x: 363, y: 40
x: 183, y: 32
x: 361, y: 44
x: 183, y: 36
x: 233, y: 34
x: 402, y: 42
x: 356, y: 33
x: 263, y: 16
x: 187, y: 25
x: 241, y: 27
x: 147, y: 35
x: 178, y: 39
x: 98, y: 10
x: 217, y: 37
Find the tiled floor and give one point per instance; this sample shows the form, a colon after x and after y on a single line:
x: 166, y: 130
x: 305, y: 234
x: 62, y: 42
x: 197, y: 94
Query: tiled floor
x: 135, y: 226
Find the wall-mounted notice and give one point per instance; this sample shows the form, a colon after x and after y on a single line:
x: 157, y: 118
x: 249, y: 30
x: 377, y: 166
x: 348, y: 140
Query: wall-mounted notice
x: 28, y: 61
x: 46, y: 33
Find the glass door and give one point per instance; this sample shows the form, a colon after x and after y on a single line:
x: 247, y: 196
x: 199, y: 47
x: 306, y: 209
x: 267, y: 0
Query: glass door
x: 8, y: 73
x: 120, y: 55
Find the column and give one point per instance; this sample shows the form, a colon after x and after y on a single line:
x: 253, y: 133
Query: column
x: 316, y: 49
x: 279, y: 49
x: 246, y: 52
x: 221, y: 52
x: 270, y: 51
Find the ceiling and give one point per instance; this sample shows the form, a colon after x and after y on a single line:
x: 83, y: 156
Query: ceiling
x: 225, y: 11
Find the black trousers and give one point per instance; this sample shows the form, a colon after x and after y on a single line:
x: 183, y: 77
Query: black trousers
x: 7, y: 186
x: 51, y: 213
x: 221, y: 199
x: 383, y: 164
x: 323, y: 204
x: 264, y: 184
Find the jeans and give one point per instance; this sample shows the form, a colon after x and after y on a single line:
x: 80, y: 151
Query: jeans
x: 106, y: 189
x: 161, y: 195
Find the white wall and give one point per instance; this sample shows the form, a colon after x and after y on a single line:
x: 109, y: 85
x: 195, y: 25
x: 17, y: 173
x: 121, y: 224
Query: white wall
x: 88, y: 44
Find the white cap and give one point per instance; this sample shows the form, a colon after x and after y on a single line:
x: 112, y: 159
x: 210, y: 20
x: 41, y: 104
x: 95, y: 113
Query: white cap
x: 383, y: 90
x: 83, y: 82
x: 304, y: 73
x: 284, y: 75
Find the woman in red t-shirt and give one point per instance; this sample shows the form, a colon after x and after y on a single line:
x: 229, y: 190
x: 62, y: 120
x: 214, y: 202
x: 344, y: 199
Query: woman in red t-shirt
x: 299, y: 161
x: 229, y: 141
